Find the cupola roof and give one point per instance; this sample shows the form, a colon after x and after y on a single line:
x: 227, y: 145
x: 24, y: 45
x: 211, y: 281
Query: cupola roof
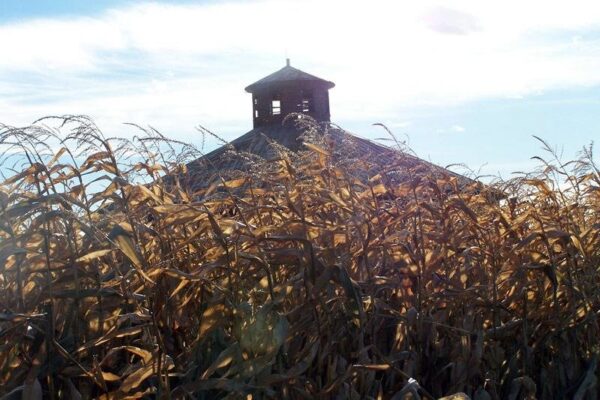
x: 286, y: 74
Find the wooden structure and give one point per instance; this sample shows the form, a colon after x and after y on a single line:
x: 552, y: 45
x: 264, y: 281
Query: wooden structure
x: 275, y: 97
x: 286, y: 91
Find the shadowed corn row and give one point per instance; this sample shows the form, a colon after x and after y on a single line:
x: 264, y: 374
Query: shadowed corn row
x: 306, y: 280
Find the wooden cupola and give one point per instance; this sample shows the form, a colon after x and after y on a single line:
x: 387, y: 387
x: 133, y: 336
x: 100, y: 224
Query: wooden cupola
x: 286, y: 91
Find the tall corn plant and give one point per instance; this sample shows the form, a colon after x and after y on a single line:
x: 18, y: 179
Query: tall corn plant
x: 320, y: 274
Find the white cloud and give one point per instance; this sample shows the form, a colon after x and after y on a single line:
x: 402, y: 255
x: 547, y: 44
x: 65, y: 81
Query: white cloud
x: 447, y: 20
x: 457, y: 128
x: 174, y: 66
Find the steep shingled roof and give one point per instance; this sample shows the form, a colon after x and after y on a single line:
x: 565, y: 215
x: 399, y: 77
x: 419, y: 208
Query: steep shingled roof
x: 286, y: 74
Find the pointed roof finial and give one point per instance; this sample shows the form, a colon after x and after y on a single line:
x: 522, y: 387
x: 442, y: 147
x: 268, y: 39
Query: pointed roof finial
x: 287, y: 62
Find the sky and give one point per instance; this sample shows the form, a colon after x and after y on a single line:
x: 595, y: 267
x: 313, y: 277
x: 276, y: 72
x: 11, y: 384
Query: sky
x: 465, y: 81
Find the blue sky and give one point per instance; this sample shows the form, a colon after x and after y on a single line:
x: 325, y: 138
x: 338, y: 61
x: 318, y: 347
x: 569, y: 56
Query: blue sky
x: 467, y: 81
x: 15, y: 10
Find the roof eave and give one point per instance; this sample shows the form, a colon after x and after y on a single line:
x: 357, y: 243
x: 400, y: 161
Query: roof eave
x: 255, y: 87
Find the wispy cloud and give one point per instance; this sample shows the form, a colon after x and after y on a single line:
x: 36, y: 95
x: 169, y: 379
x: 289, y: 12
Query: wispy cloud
x: 178, y: 65
x: 447, y: 20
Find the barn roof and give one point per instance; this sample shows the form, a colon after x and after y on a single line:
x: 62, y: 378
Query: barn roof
x: 268, y: 142
x: 286, y: 74
x: 236, y: 157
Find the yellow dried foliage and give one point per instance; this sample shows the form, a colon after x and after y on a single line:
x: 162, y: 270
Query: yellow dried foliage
x: 321, y: 275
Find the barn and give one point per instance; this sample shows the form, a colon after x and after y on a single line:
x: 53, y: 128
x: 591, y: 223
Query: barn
x: 291, y: 107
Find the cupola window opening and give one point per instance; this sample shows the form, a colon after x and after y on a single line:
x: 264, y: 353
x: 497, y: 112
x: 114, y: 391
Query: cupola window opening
x: 276, y: 106
x: 255, y: 106
x: 306, y: 105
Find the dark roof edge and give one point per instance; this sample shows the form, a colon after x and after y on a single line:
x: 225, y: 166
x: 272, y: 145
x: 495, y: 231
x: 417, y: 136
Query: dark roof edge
x: 287, y: 74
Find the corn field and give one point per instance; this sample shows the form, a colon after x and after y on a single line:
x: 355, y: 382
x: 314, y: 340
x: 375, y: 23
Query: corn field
x: 301, y: 278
